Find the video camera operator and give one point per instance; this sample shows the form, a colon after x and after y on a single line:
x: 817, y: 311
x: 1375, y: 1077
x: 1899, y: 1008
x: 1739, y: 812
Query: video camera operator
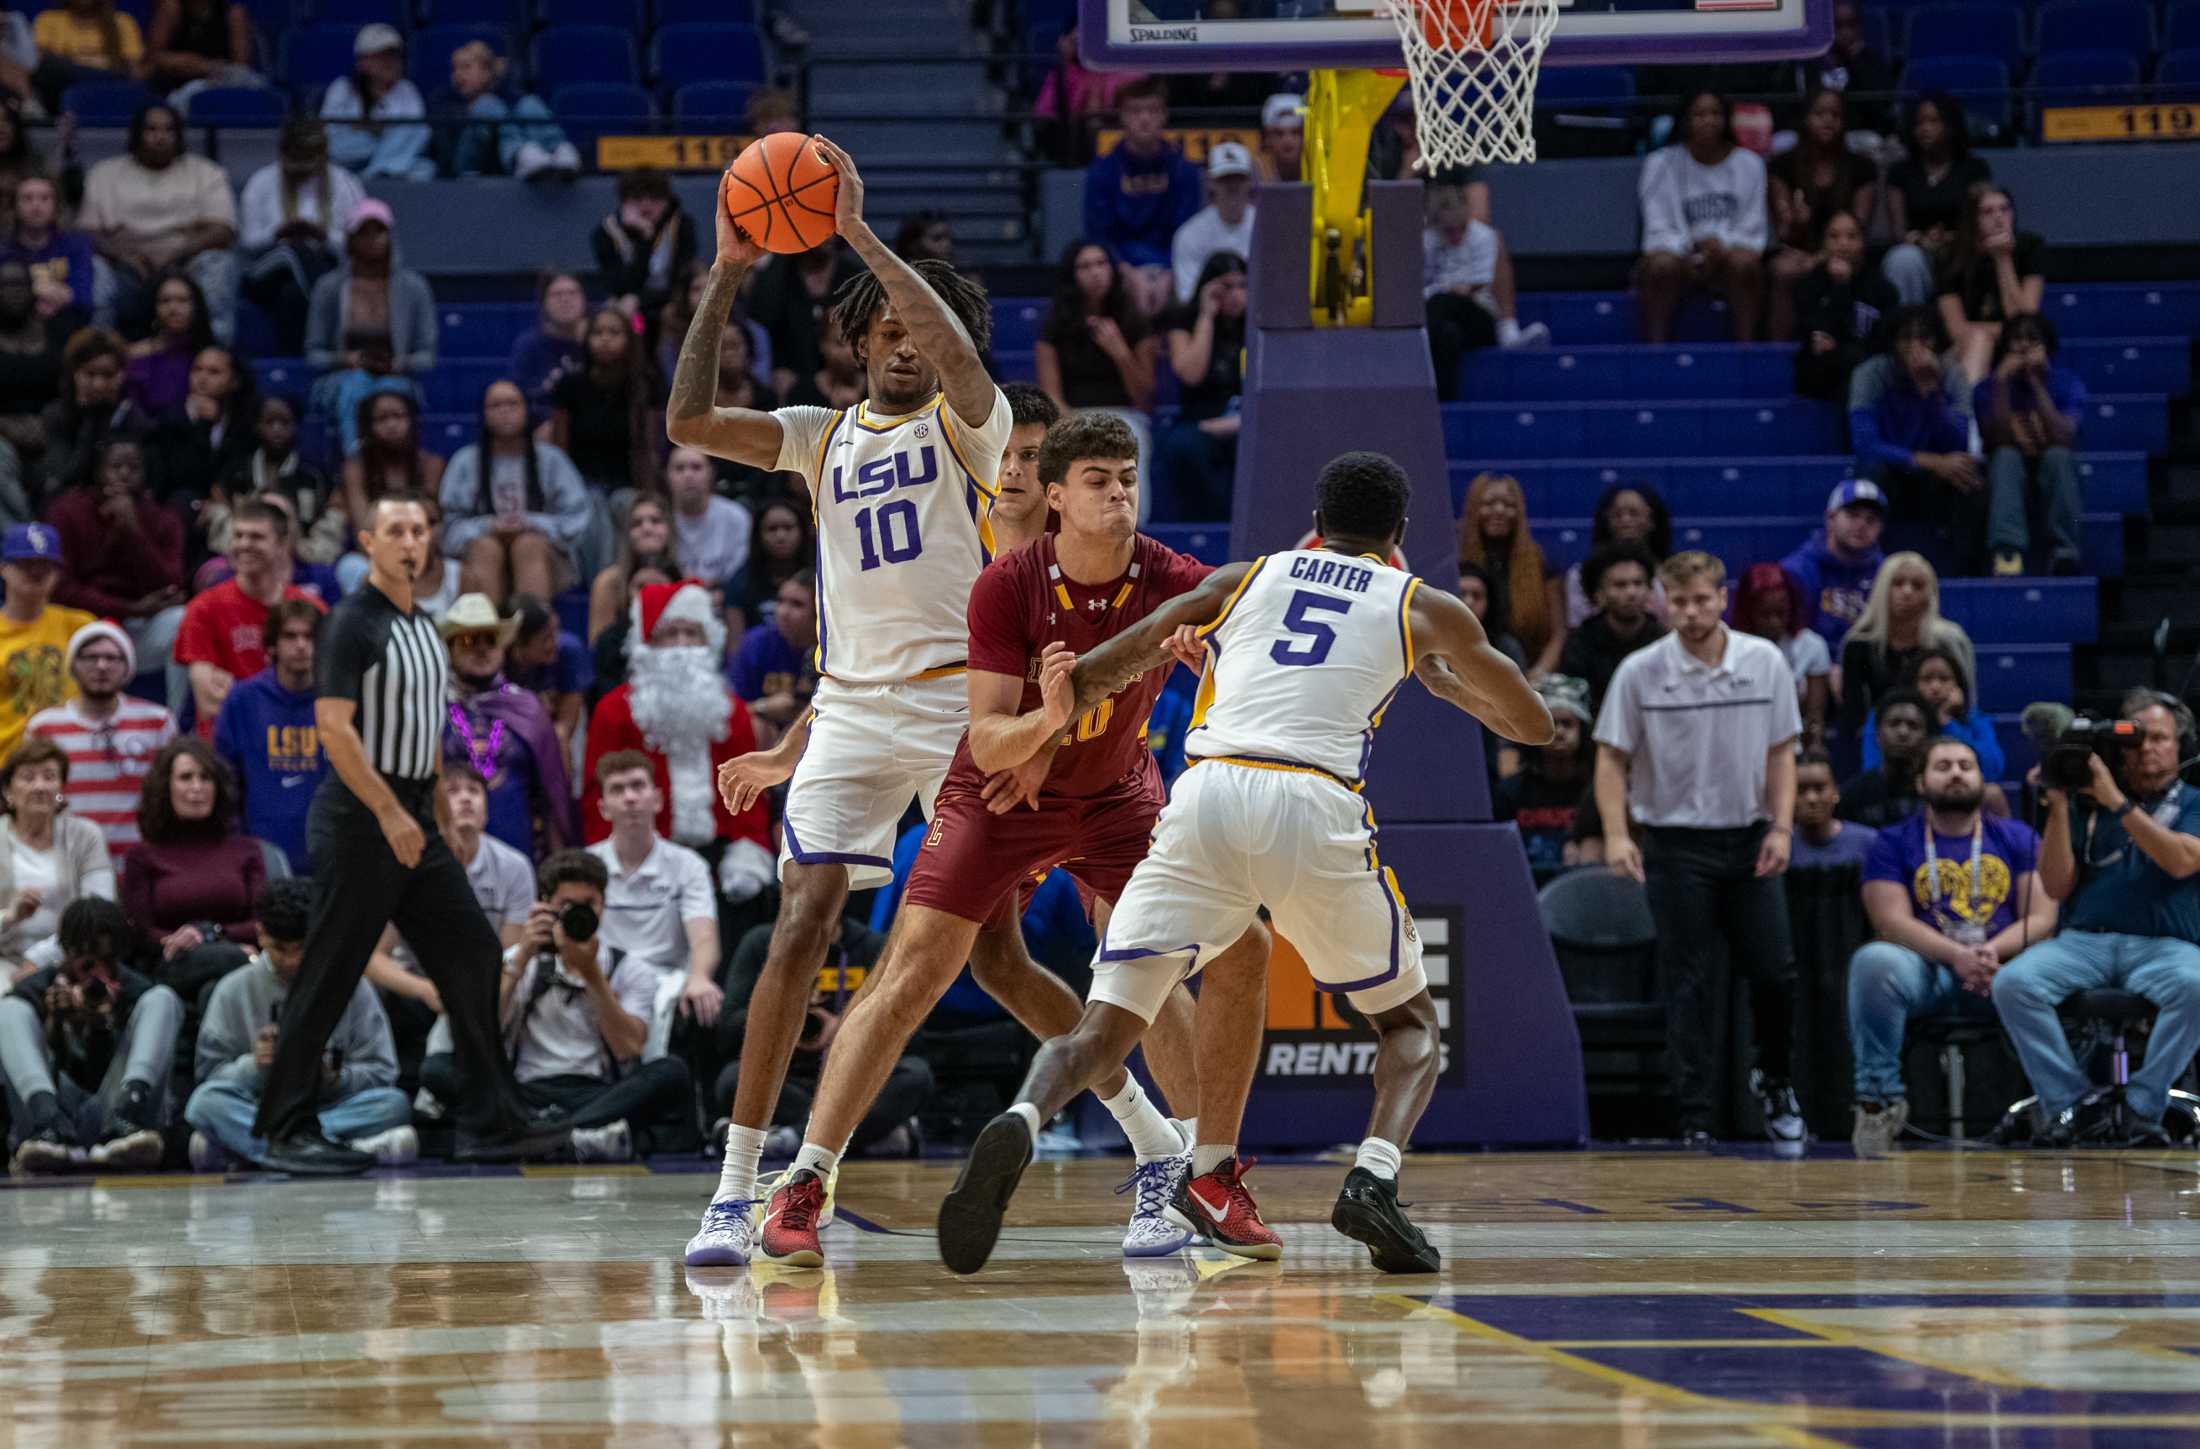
x: 2120, y: 852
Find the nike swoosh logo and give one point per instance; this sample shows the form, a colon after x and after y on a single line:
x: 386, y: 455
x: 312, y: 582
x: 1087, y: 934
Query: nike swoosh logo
x: 769, y: 1218
x: 1217, y: 1212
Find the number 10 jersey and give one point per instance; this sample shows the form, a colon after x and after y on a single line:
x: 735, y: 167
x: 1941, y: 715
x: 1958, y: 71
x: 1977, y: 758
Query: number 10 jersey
x: 900, y: 505
x: 1302, y: 661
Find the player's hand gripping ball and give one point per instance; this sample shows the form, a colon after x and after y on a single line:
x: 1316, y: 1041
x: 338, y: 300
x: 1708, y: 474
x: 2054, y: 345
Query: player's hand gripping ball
x: 782, y: 193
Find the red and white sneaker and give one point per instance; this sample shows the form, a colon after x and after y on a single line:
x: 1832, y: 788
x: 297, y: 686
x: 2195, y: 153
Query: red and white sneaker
x: 789, y: 1231
x: 1218, y: 1207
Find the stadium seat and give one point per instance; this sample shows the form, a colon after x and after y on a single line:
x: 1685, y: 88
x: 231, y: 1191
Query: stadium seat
x: 314, y: 55
x: 270, y: 18
x: 507, y: 14
x: 705, y: 12
x: 2181, y: 26
x: 625, y: 14
x: 576, y: 55
x: 2178, y: 79
x: 2079, y: 77
x: 237, y: 106
x: 1597, y: 85
x: 684, y: 54
x: 355, y: 13
x: 717, y: 104
x: 1990, y: 32
x: 2124, y: 26
x: 428, y: 61
x: 111, y: 104
x: 484, y: 329
x: 597, y: 109
x: 1981, y: 84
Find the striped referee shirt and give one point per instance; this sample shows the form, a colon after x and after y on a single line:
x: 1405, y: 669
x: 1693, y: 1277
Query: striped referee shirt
x: 391, y: 663
x: 1697, y: 734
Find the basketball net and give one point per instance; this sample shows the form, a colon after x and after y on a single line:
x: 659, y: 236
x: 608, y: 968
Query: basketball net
x: 1473, y: 65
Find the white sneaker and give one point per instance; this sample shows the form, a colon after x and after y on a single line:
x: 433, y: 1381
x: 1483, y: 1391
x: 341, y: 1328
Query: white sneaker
x: 140, y: 1151
x: 207, y: 1155
x: 565, y: 162
x: 770, y: 1183
x: 1783, y: 1113
x: 530, y: 161
x: 1535, y: 334
x: 1151, y: 1234
x: 723, y: 1239
x: 612, y: 1143
x: 397, y: 1147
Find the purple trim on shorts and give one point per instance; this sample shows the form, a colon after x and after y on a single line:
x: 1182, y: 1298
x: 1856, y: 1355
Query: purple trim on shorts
x: 1345, y: 988
x: 828, y: 857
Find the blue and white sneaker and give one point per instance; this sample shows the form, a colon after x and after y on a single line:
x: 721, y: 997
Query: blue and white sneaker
x: 1151, y: 1233
x: 723, y: 1240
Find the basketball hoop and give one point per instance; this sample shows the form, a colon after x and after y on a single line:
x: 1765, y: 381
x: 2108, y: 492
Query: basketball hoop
x: 1473, y: 65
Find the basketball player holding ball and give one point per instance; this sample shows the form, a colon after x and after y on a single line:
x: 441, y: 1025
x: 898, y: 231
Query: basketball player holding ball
x: 901, y: 485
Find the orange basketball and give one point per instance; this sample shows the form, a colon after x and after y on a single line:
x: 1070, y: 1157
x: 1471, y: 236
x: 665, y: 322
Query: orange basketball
x: 782, y: 193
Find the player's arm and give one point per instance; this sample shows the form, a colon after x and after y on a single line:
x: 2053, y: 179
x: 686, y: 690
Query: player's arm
x: 1456, y: 664
x: 1000, y: 737
x: 693, y: 418
x: 939, y: 336
x: 1145, y: 645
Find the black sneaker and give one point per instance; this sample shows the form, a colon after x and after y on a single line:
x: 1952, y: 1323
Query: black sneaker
x: 1367, y: 1211
x: 132, y: 1112
x: 2149, y: 1137
x: 309, y: 1154
x: 971, y: 1213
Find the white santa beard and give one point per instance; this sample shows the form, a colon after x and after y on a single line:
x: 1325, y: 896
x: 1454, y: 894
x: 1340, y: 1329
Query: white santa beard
x: 680, y: 704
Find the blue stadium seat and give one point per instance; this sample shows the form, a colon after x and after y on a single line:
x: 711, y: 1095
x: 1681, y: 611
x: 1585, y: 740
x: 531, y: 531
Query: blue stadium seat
x: 270, y: 18
x: 355, y: 13
x: 1584, y: 85
x: 600, y: 108
x: 237, y: 106
x: 428, y: 61
x: 509, y: 14
x: 684, y: 54
x: 1982, y: 85
x: 2124, y: 309
x: 108, y: 104
x: 2024, y: 611
x: 716, y: 104
x: 457, y: 383
x: 2179, y: 76
x: 484, y: 329
x: 576, y: 55
x: 625, y: 14
x: 704, y: 12
x: 2181, y: 26
x: 1016, y: 322
x: 2126, y: 26
x: 1989, y: 32
x: 314, y: 55
x: 2078, y: 77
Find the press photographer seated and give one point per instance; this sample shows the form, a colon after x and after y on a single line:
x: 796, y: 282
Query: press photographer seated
x: 2120, y: 852
x: 576, y: 1017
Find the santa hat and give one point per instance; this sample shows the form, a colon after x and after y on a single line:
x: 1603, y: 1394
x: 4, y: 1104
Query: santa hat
x: 102, y: 629
x: 685, y: 599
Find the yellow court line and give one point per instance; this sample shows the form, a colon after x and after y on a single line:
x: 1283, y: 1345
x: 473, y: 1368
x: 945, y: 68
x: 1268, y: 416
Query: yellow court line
x: 1848, y: 1339
x: 608, y: 1169
x: 201, y: 1179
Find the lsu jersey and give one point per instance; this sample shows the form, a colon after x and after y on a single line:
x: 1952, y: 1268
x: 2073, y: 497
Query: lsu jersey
x: 1302, y: 661
x: 900, y: 504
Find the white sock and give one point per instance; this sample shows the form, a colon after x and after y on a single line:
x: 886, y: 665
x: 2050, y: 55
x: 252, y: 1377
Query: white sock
x: 1508, y: 331
x: 1150, y: 1133
x: 1380, y: 1158
x: 1208, y: 1156
x: 1031, y: 1117
x: 737, y: 1176
x: 813, y: 1158
x: 1189, y: 1127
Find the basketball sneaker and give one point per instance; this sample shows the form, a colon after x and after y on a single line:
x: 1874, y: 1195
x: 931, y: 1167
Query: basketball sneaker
x: 1219, y: 1206
x: 1368, y: 1211
x: 1151, y: 1233
x: 1877, y: 1130
x: 1783, y: 1113
x: 768, y: 1183
x: 723, y: 1240
x: 971, y: 1213
x: 789, y: 1231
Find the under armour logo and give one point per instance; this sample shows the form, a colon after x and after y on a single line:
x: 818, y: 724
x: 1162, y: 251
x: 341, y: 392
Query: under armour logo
x: 1095, y: 605
x: 1050, y: 618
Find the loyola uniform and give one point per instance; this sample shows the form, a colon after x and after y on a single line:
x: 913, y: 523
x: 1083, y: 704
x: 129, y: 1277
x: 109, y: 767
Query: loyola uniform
x: 900, y: 504
x: 1301, y: 664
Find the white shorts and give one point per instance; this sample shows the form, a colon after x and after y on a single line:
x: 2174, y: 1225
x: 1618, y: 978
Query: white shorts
x: 1235, y: 837
x: 873, y: 748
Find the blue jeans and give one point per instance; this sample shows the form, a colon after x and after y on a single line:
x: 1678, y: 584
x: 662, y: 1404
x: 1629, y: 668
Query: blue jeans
x: 2163, y: 970
x: 1888, y: 985
x: 225, y: 1104
x: 490, y: 149
x: 2011, y: 477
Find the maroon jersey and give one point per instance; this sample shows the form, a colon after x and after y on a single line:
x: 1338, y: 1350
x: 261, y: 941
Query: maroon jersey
x: 1023, y: 602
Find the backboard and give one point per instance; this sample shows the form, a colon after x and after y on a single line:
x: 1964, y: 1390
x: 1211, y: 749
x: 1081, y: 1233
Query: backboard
x: 1223, y: 35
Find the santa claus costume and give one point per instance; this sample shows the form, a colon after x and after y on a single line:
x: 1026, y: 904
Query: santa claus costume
x: 676, y: 708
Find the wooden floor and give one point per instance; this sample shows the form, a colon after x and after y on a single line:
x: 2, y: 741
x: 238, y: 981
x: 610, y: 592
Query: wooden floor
x: 1632, y: 1299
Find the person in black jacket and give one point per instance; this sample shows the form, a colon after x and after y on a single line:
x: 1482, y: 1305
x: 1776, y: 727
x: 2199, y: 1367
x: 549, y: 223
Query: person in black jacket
x: 1617, y: 577
x: 1841, y: 312
x: 646, y: 245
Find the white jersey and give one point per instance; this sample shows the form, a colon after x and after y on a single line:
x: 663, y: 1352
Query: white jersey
x: 901, y: 509
x: 1302, y: 661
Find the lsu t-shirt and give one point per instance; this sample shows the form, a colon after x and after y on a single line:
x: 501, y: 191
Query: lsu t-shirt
x: 2007, y: 850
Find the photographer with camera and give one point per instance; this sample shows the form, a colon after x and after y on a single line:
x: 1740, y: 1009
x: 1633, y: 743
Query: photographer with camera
x: 2120, y: 850
x: 576, y: 1015
x: 86, y: 1048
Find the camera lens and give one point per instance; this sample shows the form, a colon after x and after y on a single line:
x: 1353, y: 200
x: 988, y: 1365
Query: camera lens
x: 578, y: 920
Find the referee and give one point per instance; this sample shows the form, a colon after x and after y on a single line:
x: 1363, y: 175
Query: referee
x: 372, y: 827
x: 1696, y: 744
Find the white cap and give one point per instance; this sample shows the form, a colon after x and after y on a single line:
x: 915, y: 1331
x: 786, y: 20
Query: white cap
x: 1228, y: 158
x: 376, y: 38
x: 1283, y: 109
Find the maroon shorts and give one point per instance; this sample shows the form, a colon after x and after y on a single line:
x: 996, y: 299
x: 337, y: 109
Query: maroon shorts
x: 972, y: 858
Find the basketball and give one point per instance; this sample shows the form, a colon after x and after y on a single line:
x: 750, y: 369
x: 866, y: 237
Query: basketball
x: 781, y: 193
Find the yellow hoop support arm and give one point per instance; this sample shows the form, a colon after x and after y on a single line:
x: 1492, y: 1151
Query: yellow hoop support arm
x: 1342, y: 107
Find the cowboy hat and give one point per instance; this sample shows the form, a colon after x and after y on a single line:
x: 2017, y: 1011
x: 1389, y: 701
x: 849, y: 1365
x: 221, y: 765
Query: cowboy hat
x: 472, y: 614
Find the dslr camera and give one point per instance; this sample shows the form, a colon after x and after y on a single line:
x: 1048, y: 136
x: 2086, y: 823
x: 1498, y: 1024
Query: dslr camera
x: 578, y: 920
x: 2067, y: 766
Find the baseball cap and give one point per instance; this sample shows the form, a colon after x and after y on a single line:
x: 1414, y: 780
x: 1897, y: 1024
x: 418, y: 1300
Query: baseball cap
x: 1228, y: 158
x: 376, y: 38
x: 27, y: 542
x: 371, y: 209
x: 1850, y: 492
x: 1282, y: 109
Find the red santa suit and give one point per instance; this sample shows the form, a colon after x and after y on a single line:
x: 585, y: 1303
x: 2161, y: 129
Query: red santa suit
x: 676, y: 708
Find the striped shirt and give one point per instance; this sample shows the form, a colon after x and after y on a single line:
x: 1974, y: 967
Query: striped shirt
x: 108, y: 759
x: 392, y: 664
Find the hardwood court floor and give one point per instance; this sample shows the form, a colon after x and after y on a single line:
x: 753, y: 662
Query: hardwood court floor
x: 1635, y: 1299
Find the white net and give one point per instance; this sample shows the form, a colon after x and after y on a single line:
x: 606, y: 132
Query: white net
x: 1473, y: 64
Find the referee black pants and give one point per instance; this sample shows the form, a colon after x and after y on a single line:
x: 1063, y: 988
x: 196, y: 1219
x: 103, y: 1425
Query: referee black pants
x: 1714, y: 914
x: 362, y: 889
